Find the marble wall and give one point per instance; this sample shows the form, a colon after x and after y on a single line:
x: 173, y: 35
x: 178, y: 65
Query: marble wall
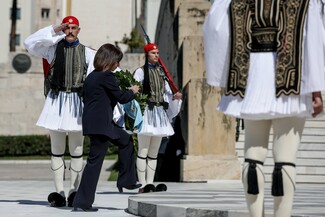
x: 209, y: 135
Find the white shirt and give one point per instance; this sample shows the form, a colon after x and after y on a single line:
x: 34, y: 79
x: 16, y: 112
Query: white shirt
x: 43, y: 44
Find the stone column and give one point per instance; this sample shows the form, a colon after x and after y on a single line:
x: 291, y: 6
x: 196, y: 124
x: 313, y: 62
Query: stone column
x: 210, y: 142
x: 210, y: 135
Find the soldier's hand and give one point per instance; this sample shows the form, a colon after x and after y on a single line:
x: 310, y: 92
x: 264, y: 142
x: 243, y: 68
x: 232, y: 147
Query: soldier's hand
x: 178, y: 95
x: 317, y: 103
x: 61, y: 27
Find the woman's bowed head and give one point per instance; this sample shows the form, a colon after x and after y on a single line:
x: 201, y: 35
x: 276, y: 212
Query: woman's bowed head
x: 108, y: 58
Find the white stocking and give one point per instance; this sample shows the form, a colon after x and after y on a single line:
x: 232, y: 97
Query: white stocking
x: 58, y: 140
x: 152, y: 158
x: 147, y: 158
x: 143, y: 144
x: 256, y: 145
x: 141, y: 170
x: 76, y: 165
x: 151, y: 169
x: 58, y: 167
x: 287, y: 136
x: 255, y: 202
x: 283, y: 204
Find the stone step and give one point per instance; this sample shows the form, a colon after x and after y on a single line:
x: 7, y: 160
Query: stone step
x: 307, y: 154
x: 224, y: 198
x: 301, y: 179
x: 320, y: 146
x: 305, y: 138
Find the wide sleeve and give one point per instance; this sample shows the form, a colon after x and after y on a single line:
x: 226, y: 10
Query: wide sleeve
x: 43, y: 43
x: 90, y: 55
x: 174, y: 104
x: 139, y: 75
x: 216, y: 36
x: 313, y: 73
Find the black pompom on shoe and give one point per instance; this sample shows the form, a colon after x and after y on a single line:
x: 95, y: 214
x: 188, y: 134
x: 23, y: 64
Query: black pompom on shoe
x: 161, y: 187
x: 71, y: 198
x: 56, y: 200
x: 149, y: 188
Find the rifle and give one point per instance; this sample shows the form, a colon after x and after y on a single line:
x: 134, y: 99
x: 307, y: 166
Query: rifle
x: 170, y: 81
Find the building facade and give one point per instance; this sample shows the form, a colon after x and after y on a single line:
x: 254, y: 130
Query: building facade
x: 21, y: 94
x: 101, y: 21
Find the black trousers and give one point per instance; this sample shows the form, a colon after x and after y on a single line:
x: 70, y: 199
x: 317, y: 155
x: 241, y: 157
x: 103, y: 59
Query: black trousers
x: 98, y: 147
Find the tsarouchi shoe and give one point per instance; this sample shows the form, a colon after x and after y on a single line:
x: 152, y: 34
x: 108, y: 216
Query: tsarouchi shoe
x: 149, y: 188
x: 161, y: 187
x: 56, y: 200
x: 71, y: 198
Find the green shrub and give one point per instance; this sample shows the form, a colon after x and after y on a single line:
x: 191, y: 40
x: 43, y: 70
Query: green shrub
x: 36, y: 145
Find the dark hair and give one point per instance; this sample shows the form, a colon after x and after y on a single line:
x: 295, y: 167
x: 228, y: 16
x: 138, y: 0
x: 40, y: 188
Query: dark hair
x: 106, y: 56
x: 146, y: 81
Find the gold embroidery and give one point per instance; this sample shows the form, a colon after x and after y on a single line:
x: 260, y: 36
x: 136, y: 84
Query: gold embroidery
x: 288, y: 64
x: 240, y: 51
x: 267, y: 26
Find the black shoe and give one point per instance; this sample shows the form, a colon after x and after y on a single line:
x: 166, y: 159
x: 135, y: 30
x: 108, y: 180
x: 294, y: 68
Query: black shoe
x: 71, y: 198
x: 149, y: 188
x: 90, y: 209
x: 56, y: 200
x: 161, y: 187
x: 131, y: 187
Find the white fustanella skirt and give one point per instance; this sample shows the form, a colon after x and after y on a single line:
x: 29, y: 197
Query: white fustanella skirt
x: 260, y: 101
x: 156, y: 122
x: 62, y: 113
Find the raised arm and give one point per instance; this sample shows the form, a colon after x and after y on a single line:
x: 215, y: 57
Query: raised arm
x: 43, y: 42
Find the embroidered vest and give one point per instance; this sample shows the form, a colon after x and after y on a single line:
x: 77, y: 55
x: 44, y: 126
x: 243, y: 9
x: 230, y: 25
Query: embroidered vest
x: 68, y: 69
x: 156, y: 84
x: 267, y: 26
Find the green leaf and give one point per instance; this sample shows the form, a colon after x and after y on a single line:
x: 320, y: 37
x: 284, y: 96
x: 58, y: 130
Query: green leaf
x: 126, y: 81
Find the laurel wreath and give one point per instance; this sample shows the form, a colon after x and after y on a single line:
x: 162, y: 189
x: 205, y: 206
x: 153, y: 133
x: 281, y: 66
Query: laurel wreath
x: 126, y: 80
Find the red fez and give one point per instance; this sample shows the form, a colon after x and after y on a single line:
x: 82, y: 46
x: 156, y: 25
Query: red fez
x: 71, y: 20
x: 149, y: 47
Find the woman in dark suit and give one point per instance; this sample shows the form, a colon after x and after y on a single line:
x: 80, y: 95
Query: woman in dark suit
x: 101, y: 93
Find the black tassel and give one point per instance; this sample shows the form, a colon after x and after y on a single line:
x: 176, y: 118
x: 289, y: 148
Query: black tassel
x: 277, y: 182
x: 252, y: 179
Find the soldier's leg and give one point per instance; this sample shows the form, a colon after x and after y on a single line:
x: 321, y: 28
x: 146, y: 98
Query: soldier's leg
x: 58, y: 144
x: 143, y: 146
x: 152, y: 158
x: 287, y: 136
x: 256, y: 145
x: 76, y: 140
